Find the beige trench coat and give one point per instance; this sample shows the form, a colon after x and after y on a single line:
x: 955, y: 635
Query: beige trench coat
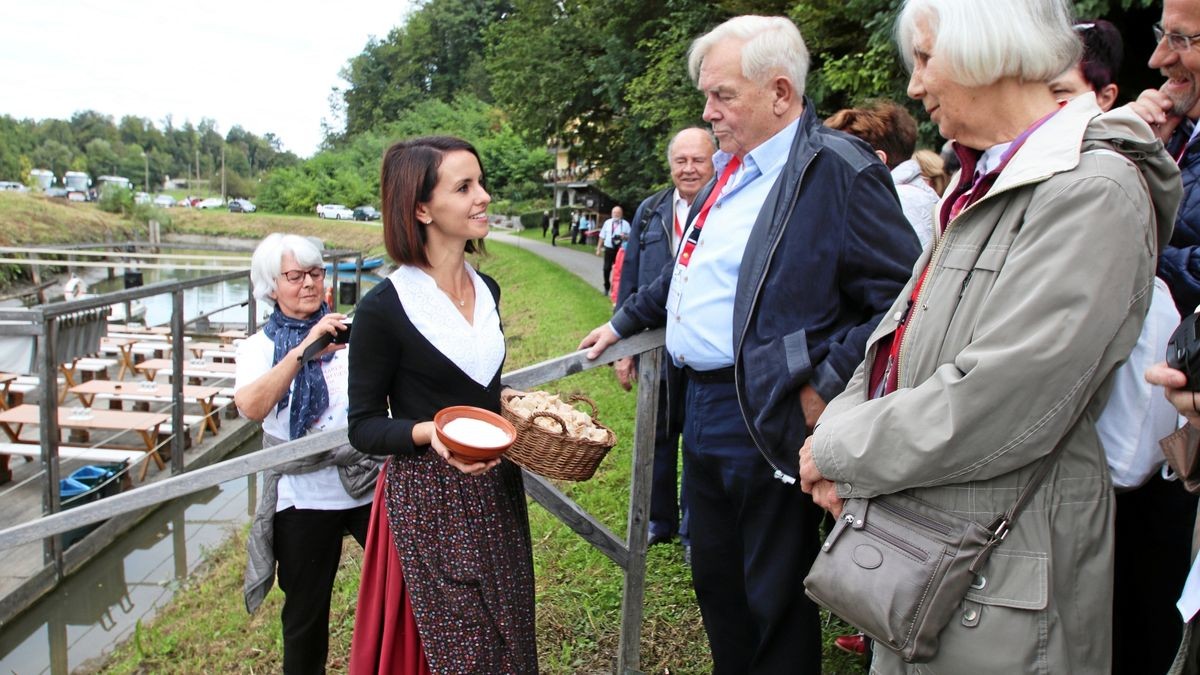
x: 1035, y: 294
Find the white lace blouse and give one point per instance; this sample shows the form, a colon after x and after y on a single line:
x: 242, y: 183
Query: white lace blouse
x: 477, y: 348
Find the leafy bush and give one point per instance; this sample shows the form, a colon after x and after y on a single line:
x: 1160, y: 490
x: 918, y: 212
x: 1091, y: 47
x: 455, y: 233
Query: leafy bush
x: 115, y: 199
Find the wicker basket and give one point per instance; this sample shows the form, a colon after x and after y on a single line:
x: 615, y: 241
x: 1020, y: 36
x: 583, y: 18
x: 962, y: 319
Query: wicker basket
x: 556, y: 454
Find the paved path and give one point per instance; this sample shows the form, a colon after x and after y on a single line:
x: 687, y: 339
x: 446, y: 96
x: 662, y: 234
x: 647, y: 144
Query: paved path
x: 586, y: 266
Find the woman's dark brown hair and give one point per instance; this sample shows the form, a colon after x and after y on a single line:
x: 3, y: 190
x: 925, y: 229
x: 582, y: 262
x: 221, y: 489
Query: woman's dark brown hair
x: 406, y: 180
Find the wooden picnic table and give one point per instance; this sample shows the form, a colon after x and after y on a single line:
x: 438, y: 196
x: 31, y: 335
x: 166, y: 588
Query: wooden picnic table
x: 137, y: 392
x: 144, y: 330
x: 144, y: 424
x: 231, y: 335
x: 6, y: 380
x: 124, y: 347
x: 227, y: 349
x: 150, y: 368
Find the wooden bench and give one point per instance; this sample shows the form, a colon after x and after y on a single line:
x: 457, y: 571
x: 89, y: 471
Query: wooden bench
x: 72, y: 452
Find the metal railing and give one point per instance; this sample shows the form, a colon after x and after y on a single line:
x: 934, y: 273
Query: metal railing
x: 629, y: 553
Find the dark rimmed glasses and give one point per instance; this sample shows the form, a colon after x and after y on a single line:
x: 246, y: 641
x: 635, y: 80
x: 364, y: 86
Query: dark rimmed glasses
x: 297, y: 276
x: 1176, y: 42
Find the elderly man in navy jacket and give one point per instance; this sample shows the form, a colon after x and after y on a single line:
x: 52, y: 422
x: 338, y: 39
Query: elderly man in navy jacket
x: 788, y: 262
x: 653, y: 238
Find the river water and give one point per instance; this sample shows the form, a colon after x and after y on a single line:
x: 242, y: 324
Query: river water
x: 99, y: 606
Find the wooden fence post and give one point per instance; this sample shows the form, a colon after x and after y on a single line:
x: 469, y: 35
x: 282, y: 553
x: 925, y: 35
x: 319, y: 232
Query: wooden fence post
x: 633, y: 596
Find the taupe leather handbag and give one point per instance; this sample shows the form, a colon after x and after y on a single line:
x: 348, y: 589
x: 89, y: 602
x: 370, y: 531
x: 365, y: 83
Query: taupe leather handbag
x: 898, y: 568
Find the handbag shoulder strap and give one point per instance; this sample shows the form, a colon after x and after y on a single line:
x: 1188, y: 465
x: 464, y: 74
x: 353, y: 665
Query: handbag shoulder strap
x: 1002, y: 524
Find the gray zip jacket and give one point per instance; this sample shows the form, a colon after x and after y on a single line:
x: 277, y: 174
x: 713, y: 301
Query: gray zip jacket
x: 357, y: 472
x: 1034, y: 295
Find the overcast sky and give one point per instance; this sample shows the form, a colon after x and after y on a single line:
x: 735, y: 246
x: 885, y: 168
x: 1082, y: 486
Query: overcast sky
x: 268, y: 66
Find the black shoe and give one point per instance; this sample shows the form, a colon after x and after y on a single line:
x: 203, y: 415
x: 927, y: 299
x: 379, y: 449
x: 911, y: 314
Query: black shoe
x: 658, y: 537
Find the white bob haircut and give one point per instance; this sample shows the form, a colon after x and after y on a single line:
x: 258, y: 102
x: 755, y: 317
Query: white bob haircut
x: 772, y: 46
x: 267, y: 261
x: 984, y: 41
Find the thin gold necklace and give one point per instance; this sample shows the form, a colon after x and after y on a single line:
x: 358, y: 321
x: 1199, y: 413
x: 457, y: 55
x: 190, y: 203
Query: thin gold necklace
x: 461, y: 302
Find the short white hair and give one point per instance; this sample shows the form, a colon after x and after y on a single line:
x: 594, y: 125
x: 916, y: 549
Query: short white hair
x: 772, y: 46
x: 267, y: 261
x: 983, y: 41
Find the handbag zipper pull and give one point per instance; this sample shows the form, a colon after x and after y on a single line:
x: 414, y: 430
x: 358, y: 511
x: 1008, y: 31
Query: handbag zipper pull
x: 841, y: 524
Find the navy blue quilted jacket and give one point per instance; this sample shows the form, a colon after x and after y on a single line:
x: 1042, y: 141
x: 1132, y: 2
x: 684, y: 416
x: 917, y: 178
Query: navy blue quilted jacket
x: 1179, y: 263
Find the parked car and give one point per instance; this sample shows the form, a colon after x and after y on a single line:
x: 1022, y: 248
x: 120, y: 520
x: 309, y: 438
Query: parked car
x: 210, y: 203
x: 59, y: 192
x: 12, y: 186
x: 241, y: 206
x: 335, y: 211
x: 141, y: 198
x: 366, y: 213
x: 165, y: 201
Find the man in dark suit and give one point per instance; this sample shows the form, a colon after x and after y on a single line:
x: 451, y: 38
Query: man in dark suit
x: 653, y: 239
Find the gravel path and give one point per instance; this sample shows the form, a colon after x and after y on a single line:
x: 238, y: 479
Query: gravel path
x: 586, y: 266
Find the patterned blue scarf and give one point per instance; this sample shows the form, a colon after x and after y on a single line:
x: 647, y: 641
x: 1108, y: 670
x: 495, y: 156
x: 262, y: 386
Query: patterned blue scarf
x: 310, y: 394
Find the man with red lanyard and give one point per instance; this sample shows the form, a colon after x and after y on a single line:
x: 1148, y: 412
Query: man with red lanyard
x: 653, y: 239
x: 787, y: 263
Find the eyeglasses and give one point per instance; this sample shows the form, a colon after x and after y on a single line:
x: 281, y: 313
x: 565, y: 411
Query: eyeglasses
x: 296, y: 276
x: 1176, y: 42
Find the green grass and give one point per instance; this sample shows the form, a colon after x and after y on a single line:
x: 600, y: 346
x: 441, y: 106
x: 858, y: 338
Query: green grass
x: 546, y: 311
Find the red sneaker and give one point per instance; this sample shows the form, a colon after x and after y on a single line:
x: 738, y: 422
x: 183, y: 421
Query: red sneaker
x: 852, y: 644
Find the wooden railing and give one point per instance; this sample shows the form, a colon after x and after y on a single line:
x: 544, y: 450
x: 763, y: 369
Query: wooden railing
x: 629, y: 553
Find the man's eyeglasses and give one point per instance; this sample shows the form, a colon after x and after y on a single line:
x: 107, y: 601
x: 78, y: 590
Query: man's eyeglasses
x: 1176, y: 42
x: 296, y: 276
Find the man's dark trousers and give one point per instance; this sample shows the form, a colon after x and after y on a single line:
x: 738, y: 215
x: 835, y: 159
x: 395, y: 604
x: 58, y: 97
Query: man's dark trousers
x: 753, y: 541
x: 665, y: 500
x: 610, y: 257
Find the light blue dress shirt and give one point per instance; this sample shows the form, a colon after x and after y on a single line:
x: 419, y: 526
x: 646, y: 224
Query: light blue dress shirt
x: 700, y: 299
x: 612, y: 227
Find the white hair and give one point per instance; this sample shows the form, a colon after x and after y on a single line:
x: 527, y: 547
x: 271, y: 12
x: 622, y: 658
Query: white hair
x: 707, y: 133
x: 267, y: 261
x: 772, y: 46
x: 983, y: 41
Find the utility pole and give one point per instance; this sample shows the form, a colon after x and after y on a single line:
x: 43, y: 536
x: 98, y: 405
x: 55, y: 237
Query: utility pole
x: 146, y: 164
x: 222, y: 172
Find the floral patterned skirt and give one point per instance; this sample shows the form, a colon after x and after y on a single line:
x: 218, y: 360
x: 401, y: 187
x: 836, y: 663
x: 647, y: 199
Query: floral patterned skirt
x: 463, y: 545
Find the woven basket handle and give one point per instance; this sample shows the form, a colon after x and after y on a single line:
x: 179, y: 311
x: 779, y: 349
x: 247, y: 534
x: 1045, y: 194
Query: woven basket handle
x: 580, y: 397
x: 556, y: 418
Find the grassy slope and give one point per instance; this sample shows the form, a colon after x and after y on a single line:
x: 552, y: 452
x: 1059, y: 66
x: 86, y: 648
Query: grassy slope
x: 32, y: 219
x: 335, y: 233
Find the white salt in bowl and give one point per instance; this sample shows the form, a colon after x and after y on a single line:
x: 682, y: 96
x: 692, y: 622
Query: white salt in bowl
x: 467, y: 439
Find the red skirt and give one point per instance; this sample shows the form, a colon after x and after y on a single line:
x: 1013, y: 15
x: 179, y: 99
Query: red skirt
x: 385, y: 631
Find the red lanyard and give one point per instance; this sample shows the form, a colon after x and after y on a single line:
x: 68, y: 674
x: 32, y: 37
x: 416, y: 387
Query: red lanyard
x: 694, y: 234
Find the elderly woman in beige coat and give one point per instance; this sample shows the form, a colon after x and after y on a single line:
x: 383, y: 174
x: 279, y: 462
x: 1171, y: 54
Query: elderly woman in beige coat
x: 1001, y: 348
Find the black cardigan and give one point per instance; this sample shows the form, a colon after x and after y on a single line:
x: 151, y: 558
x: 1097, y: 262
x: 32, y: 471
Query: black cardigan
x: 394, y: 367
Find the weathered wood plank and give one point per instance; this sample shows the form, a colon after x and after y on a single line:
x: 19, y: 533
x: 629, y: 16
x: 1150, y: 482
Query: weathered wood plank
x: 633, y: 595
x: 593, y: 531
x: 577, y: 362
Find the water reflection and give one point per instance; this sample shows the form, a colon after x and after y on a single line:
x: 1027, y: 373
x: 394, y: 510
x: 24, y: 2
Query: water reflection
x: 100, y: 605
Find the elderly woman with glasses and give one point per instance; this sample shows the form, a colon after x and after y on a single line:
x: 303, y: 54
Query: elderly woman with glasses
x: 307, y: 506
x: 999, y: 354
